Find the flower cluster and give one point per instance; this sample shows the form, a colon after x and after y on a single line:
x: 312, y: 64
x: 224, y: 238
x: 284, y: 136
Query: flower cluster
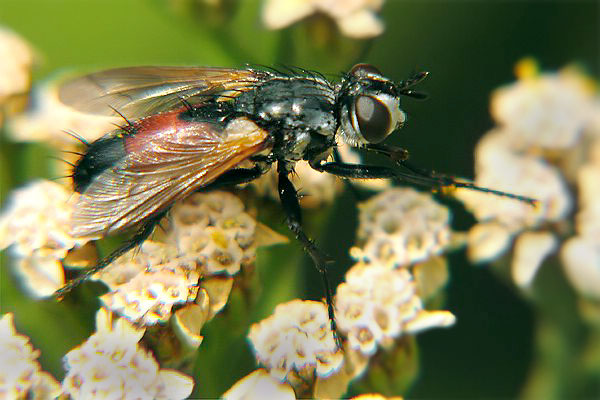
x: 145, y: 284
x: 356, y: 18
x: 16, y: 58
x: 35, y: 226
x: 214, y: 229
x: 208, y: 234
x: 50, y: 120
x: 401, y: 226
x: 296, y: 339
x: 379, y: 302
x: 20, y: 374
x: 111, y: 364
x: 546, y: 147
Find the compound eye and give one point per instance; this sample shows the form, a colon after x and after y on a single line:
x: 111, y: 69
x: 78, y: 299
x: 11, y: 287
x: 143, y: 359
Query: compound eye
x: 374, y: 119
x: 364, y: 70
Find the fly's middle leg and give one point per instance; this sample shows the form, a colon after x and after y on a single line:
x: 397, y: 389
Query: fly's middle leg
x: 293, y: 213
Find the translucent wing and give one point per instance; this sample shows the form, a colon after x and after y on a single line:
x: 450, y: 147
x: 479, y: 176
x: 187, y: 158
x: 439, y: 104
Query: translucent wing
x: 160, y: 168
x: 140, y: 91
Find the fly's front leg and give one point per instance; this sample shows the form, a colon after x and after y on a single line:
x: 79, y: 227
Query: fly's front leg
x: 293, y: 216
x: 415, y: 175
x: 358, y: 171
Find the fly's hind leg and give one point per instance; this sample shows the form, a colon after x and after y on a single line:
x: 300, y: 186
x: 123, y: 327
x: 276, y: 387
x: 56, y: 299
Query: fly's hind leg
x: 293, y: 216
x: 137, y: 239
x: 229, y: 178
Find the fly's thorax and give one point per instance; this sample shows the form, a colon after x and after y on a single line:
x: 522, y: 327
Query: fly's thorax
x: 292, y: 104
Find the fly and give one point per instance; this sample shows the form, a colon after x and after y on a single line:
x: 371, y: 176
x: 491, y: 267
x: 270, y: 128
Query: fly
x: 191, y: 129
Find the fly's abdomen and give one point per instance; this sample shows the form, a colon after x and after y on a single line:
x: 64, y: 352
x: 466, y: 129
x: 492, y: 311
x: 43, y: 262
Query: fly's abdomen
x: 139, y: 137
x: 127, y: 178
x: 101, y: 154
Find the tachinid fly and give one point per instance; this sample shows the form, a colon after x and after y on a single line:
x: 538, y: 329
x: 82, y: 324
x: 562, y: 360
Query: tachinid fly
x: 191, y: 129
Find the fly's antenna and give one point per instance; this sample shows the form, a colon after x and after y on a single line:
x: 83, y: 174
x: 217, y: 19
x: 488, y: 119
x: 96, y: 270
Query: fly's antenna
x: 404, y: 86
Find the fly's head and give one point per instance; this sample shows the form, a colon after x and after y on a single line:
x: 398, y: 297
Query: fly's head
x: 369, y: 105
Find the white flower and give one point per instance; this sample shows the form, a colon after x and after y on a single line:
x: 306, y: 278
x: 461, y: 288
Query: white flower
x: 499, y: 167
x: 259, y: 385
x: 531, y: 248
x: 296, y: 340
x: 588, y: 186
x: 20, y: 374
x: 401, y: 226
x: 581, y: 263
x: 37, y: 218
x: 548, y: 142
x: 546, y: 110
x: 147, y: 282
x: 208, y: 234
x: 35, y: 225
x: 112, y: 365
x: 16, y: 58
x: 487, y: 241
x: 214, y: 229
x: 49, y: 120
x: 355, y: 18
x: 377, y: 304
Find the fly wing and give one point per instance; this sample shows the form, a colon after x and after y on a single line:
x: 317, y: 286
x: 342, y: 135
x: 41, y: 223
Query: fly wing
x: 141, y: 91
x: 165, y: 168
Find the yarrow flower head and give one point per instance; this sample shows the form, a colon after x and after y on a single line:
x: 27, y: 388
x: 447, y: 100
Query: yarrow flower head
x: 378, y: 304
x: 401, y: 226
x: 260, y: 385
x: 214, y: 229
x: 547, y: 143
x: 111, y: 364
x: 208, y: 234
x: 145, y: 284
x: 35, y: 225
x: 500, y: 166
x: 16, y: 58
x: 355, y: 18
x: 296, y: 342
x: 49, y: 120
x: 20, y: 374
x: 548, y: 110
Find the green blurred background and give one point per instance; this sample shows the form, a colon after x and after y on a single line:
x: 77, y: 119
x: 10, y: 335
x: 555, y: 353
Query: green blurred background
x: 469, y: 47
